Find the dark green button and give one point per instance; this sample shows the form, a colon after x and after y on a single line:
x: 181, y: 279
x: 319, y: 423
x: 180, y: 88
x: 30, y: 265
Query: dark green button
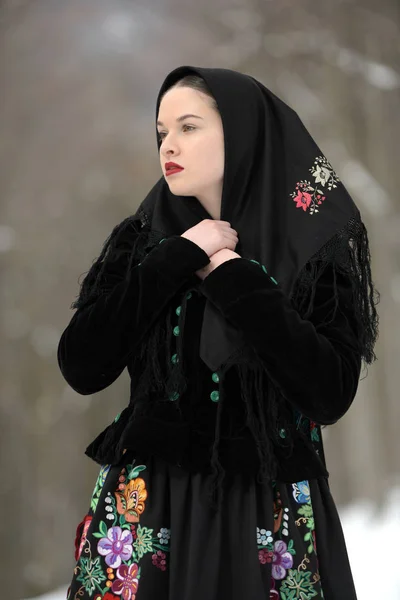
x: 214, y: 396
x: 174, y: 358
x: 178, y: 310
x: 282, y: 433
x: 254, y: 261
x: 215, y: 377
x: 176, y: 330
x: 274, y: 280
x: 189, y: 295
x: 162, y: 240
x: 264, y: 269
x: 174, y: 396
x: 117, y: 417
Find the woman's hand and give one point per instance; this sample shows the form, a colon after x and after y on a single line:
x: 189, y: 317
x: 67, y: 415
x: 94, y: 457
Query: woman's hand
x: 215, y: 260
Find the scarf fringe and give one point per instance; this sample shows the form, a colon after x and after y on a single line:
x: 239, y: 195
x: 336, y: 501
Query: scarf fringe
x: 267, y: 411
x: 348, y: 254
x: 131, y: 240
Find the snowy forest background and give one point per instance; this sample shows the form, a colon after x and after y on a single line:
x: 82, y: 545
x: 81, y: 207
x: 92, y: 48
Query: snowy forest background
x: 78, y: 84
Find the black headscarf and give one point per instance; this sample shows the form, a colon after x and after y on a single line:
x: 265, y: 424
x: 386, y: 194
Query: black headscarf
x: 291, y: 212
x: 281, y: 195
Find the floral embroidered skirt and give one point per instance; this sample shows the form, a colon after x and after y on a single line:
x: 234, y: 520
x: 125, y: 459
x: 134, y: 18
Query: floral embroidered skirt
x: 151, y: 534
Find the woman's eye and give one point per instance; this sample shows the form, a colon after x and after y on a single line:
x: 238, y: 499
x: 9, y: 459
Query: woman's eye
x: 162, y: 133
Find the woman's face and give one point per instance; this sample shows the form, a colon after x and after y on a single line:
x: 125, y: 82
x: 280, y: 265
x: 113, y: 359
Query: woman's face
x: 194, y: 143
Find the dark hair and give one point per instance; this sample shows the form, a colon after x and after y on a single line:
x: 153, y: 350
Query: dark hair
x: 195, y: 82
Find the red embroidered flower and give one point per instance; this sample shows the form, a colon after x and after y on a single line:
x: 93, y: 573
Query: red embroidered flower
x: 80, y: 538
x: 303, y: 200
x: 273, y: 594
x: 127, y: 582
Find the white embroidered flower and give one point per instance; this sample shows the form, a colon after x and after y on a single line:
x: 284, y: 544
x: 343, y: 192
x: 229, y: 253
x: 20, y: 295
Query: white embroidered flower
x: 321, y: 174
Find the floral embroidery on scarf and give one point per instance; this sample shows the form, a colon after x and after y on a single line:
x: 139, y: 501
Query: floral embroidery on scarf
x: 309, y: 197
x: 114, y: 573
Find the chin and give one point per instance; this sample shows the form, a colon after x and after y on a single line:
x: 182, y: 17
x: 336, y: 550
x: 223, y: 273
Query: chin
x: 176, y: 191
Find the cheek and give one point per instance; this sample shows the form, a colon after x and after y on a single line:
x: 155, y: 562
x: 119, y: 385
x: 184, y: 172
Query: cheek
x: 209, y: 154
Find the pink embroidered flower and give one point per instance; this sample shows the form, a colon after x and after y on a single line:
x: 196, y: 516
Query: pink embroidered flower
x: 81, y: 534
x: 116, y: 547
x: 303, y: 200
x: 282, y: 560
x: 127, y: 583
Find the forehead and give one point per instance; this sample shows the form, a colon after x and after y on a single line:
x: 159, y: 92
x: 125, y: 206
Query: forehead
x: 177, y: 100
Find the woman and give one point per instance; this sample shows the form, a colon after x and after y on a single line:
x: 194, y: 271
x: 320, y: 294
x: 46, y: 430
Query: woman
x: 239, y: 297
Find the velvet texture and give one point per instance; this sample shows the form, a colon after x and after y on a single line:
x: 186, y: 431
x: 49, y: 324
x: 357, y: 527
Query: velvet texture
x: 314, y: 362
x: 285, y: 355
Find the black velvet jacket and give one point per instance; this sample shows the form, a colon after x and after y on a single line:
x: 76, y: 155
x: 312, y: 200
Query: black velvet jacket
x: 316, y: 365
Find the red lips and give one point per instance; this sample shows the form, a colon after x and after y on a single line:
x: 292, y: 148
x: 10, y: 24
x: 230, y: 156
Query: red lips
x: 172, y: 166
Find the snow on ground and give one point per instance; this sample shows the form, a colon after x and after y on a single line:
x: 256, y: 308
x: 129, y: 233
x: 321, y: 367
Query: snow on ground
x: 366, y: 532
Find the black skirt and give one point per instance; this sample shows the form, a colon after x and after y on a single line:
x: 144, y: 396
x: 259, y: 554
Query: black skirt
x: 150, y: 533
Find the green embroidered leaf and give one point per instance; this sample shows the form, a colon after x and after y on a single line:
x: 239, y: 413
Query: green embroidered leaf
x: 290, y: 548
x: 305, y: 510
x: 98, y: 535
x: 122, y: 519
x: 93, y: 504
x: 103, y: 528
x: 310, y: 549
x: 135, y: 471
x: 315, y: 435
x: 307, y: 536
x: 162, y: 547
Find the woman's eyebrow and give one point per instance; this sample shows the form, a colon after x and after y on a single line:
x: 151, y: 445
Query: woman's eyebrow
x: 182, y: 118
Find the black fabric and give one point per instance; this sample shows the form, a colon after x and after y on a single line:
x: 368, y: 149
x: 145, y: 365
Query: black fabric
x: 266, y: 541
x: 96, y: 346
x: 284, y: 216
x: 104, y: 333
x: 299, y: 306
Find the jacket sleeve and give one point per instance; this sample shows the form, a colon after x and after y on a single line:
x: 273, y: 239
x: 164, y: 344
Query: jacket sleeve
x: 315, y: 362
x: 95, y: 347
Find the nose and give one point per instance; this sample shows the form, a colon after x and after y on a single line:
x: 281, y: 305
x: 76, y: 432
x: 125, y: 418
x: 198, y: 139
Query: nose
x: 169, y: 147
